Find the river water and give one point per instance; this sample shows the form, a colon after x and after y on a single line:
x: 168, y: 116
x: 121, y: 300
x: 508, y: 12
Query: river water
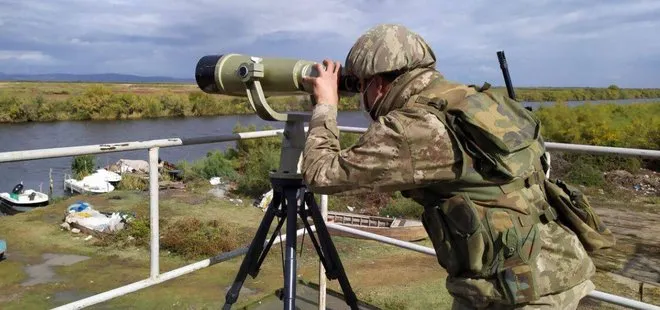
x: 35, y: 173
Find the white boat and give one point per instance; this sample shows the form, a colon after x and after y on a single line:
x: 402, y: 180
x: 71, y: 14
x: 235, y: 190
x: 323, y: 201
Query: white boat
x: 109, y: 176
x: 22, y: 200
x: 91, y: 184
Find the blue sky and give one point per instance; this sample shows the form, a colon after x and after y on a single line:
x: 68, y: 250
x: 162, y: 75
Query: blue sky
x: 547, y: 43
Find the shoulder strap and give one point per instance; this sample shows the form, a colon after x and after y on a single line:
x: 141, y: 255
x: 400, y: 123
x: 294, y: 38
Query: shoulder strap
x: 438, y: 107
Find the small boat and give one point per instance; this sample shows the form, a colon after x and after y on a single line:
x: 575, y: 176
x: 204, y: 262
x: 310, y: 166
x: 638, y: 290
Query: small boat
x: 22, y: 200
x: 109, y: 176
x: 91, y: 184
x: 401, y: 229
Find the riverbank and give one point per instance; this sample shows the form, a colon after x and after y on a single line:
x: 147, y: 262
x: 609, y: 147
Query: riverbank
x: 46, y: 102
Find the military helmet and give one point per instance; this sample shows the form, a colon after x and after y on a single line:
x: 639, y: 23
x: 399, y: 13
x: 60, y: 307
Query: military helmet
x: 386, y: 48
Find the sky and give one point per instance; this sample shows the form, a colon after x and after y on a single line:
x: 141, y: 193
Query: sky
x: 547, y: 43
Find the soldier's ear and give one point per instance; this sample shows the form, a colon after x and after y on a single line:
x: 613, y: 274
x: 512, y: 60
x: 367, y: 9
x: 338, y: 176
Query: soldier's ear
x: 382, y: 84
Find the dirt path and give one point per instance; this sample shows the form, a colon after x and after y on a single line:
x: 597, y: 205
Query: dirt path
x: 637, y: 252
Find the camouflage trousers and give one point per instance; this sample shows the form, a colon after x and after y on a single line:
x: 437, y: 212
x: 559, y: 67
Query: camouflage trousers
x: 566, y: 300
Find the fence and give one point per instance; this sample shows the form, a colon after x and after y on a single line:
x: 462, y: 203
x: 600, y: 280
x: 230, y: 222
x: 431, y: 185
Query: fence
x: 153, y: 146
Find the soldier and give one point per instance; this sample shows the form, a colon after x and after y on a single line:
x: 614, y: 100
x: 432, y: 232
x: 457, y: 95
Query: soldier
x: 478, y: 173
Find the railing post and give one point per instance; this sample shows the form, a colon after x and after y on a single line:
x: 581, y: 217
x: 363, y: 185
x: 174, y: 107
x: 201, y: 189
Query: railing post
x: 153, y: 208
x: 322, y: 282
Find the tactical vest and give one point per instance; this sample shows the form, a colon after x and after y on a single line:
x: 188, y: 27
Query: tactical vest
x: 485, y: 224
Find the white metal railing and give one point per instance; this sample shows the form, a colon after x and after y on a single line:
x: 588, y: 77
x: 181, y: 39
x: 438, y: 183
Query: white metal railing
x: 153, y: 146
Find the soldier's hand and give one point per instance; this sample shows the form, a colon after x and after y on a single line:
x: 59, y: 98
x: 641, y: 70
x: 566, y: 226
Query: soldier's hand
x: 324, y: 87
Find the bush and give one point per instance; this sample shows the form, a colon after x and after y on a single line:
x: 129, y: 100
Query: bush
x: 401, y: 207
x: 254, y: 160
x: 136, y: 233
x: 256, y: 166
x: 630, y: 125
x: 215, y: 164
x: 587, y: 169
x: 192, y: 238
x: 132, y: 182
x: 83, y: 165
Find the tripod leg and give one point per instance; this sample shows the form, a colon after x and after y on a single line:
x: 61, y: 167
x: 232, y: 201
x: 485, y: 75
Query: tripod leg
x: 304, y: 216
x: 335, y: 269
x: 290, y: 258
x: 254, y: 251
x: 254, y: 269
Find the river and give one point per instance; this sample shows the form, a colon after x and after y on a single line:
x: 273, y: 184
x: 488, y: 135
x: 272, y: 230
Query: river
x: 35, y: 173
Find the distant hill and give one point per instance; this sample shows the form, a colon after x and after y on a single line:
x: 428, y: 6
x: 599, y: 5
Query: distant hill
x: 101, y: 78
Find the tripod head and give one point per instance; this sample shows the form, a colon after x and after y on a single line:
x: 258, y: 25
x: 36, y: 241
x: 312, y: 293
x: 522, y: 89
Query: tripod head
x: 256, y: 78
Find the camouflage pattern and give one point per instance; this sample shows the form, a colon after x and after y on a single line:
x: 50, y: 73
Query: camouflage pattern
x: 388, y: 47
x: 578, y: 214
x: 565, y: 300
x: 491, y: 239
x: 385, y: 158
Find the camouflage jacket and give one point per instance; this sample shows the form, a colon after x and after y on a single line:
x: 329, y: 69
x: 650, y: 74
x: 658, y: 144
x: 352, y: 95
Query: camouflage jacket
x: 404, y: 149
x: 409, y: 149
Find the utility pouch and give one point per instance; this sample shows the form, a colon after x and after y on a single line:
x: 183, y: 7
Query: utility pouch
x: 575, y: 212
x: 517, y: 242
x: 459, y: 237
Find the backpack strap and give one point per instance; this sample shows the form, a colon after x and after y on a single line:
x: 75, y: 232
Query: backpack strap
x: 438, y: 106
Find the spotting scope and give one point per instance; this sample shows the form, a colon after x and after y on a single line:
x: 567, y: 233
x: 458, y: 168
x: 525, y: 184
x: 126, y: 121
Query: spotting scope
x: 261, y: 77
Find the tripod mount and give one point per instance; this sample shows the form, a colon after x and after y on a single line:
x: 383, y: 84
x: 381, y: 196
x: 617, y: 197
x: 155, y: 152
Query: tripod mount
x: 291, y: 200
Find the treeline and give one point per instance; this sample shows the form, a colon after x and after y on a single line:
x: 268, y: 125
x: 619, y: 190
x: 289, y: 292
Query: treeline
x: 99, y: 102
x: 612, y: 92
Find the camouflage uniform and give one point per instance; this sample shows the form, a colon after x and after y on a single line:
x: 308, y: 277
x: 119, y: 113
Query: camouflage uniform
x: 497, y: 255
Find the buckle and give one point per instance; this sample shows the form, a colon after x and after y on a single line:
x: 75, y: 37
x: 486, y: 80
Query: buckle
x: 548, y: 215
x: 533, y: 179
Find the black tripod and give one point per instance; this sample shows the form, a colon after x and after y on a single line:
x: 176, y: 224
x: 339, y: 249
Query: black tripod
x: 285, y: 204
x: 287, y: 184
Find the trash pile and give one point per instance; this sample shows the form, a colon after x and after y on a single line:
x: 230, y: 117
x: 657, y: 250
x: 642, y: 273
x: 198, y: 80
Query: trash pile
x: 83, y: 217
x: 646, y: 182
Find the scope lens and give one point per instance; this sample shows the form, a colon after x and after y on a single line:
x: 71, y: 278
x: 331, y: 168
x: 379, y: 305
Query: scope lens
x: 205, y: 73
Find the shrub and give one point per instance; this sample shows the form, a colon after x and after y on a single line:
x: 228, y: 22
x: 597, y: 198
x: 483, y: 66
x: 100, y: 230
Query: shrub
x: 215, y: 164
x: 83, y: 165
x: 193, y: 238
x: 401, y: 207
x: 133, y: 182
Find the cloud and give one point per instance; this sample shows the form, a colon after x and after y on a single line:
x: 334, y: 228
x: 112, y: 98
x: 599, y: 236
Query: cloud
x: 32, y: 56
x: 553, y: 43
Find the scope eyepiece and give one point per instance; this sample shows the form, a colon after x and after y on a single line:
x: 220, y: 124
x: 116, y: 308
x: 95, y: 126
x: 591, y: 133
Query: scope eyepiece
x: 349, y: 84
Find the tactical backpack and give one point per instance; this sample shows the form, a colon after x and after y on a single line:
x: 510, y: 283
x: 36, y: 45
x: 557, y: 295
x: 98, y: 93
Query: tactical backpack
x: 504, y: 140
